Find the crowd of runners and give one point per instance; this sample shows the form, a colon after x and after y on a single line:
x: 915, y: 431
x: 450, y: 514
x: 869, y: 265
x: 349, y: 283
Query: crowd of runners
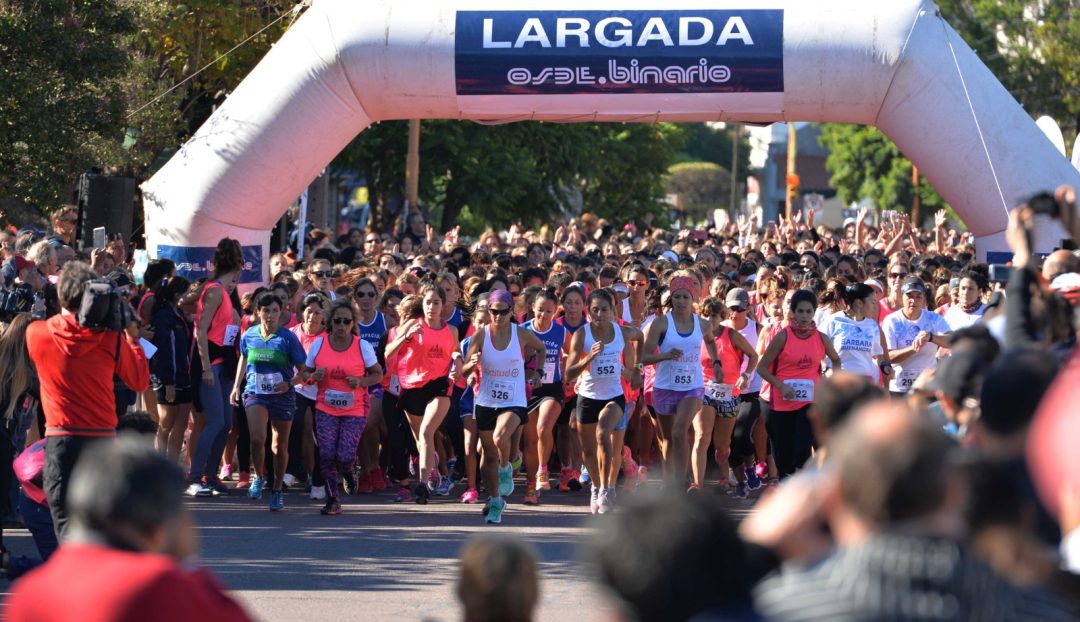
x: 589, y: 358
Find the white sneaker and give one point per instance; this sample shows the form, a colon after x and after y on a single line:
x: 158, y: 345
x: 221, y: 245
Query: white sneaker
x: 225, y: 474
x: 604, y: 502
x: 318, y: 493
x: 193, y: 489
x: 594, y: 501
x: 289, y: 480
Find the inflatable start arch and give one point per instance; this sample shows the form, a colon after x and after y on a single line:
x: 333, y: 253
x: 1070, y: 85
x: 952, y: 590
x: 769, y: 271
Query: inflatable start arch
x: 346, y: 64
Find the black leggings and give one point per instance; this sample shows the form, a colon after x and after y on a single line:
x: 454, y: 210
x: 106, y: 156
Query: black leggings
x: 243, y: 439
x: 297, y: 467
x: 742, y: 437
x: 400, y: 444
x: 791, y: 435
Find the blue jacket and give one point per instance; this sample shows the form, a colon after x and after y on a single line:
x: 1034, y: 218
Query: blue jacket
x: 172, y: 336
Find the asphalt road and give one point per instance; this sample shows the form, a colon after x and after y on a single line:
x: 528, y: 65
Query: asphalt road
x: 380, y: 560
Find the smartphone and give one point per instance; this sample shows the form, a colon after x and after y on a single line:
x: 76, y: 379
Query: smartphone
x: 1000, y: 273
x: 99, y: 237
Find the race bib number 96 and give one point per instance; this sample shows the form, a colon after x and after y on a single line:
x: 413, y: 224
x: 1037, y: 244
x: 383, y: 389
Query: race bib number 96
x: 267, y: 383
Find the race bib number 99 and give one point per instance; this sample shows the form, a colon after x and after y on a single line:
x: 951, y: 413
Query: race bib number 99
x: 804, y: 390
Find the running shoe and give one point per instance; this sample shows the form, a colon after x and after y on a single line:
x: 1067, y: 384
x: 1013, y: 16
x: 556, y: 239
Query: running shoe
x: 289, y: 480
x: 444, y: 487
x: 198, y: 489
x: 404, y: 495
x: 542, y: 483
x: 470, y: 496
x: 603, y: 502
x: 332, y: 507
x: 594, y: 500
x: 642, y: 475
x: 245, y: 480
x: 739, y: 492
x: 256, y: 490
x: 506, y: 480
x: 363, y: 484
x: 484, y: 508
x: 495, y: 511
x: 414, y: 466
x: 564, y: 479
x: 753, y: 482
x: 575, y: 481
x: 516, y: 463
x: 761, y: 469
x: 451, y: 467
x: 378, y: 480
x: 318, y: 493
x: 348, y: 481
x: 584, y: 477
x: 277, y: 501
x: 225, y: 473
x: 421, y: 493
x: 217, y: 487
x: 530, y: 496
x: 629, y: 467
x: 693, y: 489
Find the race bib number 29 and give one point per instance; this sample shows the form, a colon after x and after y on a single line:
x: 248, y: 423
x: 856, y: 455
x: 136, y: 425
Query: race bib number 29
x: 804, y: 390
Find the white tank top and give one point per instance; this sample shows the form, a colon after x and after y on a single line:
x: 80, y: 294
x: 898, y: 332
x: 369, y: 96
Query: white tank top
x: 685, y: 373
x: 751, y: 333
x: 502, y: 374
x: 603, y: 378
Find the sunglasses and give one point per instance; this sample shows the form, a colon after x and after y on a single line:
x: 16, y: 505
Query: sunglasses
x: 736, y: 309
x: 341, y: 321
x: 370, y: 241
x: 324, y: 274
x: 498, y: 312
x: 637, y: 283
x: 366, y: 294
x: 515, y: 294
x: 897, y: 275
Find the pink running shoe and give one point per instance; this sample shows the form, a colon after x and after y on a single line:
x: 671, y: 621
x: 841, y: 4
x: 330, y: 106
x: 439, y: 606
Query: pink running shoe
x: 629, y: 467
x: 470, y: 496
x: 762, y: 470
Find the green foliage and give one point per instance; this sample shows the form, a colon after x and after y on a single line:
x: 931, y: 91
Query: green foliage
x: 704, y: 186
x: 706, y: 143
x: 61, y: 83
x: 519, y: 172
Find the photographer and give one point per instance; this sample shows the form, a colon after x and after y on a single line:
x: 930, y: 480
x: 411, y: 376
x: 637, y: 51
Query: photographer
x: 75, y: 365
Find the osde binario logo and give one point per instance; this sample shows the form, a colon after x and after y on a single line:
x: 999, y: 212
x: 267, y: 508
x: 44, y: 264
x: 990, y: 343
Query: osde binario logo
x: 619, y: 52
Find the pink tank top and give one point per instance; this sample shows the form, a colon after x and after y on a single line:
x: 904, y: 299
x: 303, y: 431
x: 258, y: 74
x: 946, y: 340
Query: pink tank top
x: 222, y: 331
x: 731, y: 359
x: 336, y: 397
x: 390, y: 382
x: 799, y: 360
x: 427, y: 357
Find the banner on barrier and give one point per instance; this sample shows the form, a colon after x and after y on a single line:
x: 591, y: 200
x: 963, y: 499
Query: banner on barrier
x: 196, y: 262
x: 619, y: 52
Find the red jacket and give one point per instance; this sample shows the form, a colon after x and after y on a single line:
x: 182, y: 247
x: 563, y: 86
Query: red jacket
x: 75, y: 366
x: 97, y: 584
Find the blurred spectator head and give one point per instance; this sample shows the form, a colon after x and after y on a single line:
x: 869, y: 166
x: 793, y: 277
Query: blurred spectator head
x: 693, y: 564
x: 1058, y: 263
x: 499, y: 581
x: 1010, y: 395
x: 893, y: 468
x: 129, y: 495
x: 73, y: 279
x: 837, y: 397
x: 64, y: 220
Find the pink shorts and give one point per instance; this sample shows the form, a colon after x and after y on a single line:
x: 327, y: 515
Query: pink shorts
x: 666, y: 401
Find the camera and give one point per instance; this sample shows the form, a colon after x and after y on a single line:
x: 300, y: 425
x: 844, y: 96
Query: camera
x: 105, y: 307
x: 16, y: 300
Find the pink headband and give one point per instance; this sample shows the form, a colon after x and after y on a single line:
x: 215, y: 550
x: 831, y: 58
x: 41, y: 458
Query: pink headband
x: 684, y: 282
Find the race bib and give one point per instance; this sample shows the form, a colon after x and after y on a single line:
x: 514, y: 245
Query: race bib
x: 267, y: 383
x: 395, y: 385
x: 804, y: 390
x: 549, y: 372
x: 231, y: 332
x: 502, y: 392
x: 338, y: 399
x: 605, y: 368
x: 718, y: 391
x: 907, y: 378
x: 682, y: 376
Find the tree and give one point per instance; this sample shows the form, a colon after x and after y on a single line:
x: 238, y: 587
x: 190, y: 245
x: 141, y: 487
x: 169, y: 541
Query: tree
x: 703, y: 186
x: 707, y: 143
x: 518, y: 172
x: 61, y: 70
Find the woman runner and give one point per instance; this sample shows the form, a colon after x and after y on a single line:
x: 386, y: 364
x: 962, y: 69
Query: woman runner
x: 749, y: 441
x: 372, y: 325
x: 428, y: 365
x: 857, y: 337
x: 344, y: 366
x: 568, y: 443
x: 673, y: 343
x: 311, y: 327
x: 791, y: 366
x: 507, y: 356
x: 269, y: 354
x: 716, y: 419
x: 480, y: 319
x: 547, y: 401
x: 597, y: 355
x: 217, y: 327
